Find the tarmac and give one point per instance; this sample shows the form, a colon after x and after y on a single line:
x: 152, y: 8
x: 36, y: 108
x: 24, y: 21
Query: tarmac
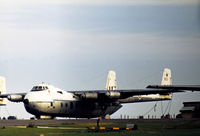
x: 52, y: 122
x: 75, y: 121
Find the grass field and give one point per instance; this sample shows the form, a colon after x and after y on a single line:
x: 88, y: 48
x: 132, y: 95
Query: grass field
x: 145, y: 128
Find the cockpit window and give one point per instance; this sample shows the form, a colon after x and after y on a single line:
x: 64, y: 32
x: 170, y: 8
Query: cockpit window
x: 39, y: 88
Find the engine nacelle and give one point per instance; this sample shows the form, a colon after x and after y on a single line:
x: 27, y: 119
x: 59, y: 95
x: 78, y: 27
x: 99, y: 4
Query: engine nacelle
x: 15, y: 98
x: 113, y: 94
x: 89, y: 96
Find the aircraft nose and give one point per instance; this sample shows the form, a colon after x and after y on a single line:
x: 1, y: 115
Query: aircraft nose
x: 26, y: 101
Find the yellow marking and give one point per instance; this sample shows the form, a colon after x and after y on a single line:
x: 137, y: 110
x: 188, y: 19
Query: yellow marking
x: 20, y: 126
x: 1, y: 101
x: 102, y: 128
x: 92, y: 127
x: 115, y: 128
x: 45, y: 127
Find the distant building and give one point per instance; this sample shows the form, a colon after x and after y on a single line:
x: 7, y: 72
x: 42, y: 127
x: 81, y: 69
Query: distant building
x: 190, y: 110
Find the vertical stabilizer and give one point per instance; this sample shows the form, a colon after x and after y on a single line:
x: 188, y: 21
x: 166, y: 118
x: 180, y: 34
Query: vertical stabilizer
x: 2, y: 90
x: 167, y: 77
x: 111, y: 83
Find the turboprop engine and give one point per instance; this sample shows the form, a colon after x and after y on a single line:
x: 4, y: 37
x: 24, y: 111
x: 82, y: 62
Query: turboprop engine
x: 89, y: 96
x: 113, y: 94
x: 15, y: 98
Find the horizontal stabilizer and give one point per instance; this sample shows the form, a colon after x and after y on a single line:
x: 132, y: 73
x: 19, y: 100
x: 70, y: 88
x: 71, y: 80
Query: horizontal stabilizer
x: 167, y: 77
x: 177, y: 87
x: 2, y: 90
x: 111, y: 83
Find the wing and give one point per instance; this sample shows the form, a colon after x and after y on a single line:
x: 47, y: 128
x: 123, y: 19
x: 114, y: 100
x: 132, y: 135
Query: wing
x: 105, y: 95
x: 177, y: 87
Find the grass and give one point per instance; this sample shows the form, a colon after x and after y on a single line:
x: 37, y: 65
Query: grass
x: 145, y: 128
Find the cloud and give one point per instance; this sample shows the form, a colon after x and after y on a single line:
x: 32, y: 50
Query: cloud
x: 41, y: 43
x: 102, y: 2
x: 176, y: 20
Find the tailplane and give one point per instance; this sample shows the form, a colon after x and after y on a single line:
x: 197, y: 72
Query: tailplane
x: 166, y: 81
x: 2, y: 90
x: 111, y: 83
x: 167, y: 77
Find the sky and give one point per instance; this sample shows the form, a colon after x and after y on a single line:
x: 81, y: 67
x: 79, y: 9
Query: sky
x: 73, y: 44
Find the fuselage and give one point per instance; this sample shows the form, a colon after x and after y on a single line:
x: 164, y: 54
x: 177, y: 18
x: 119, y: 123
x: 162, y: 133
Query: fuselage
x: 47, y: 100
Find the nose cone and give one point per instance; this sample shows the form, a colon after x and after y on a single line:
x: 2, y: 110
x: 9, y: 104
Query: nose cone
x: 26, y: 101
x: 34, y: 102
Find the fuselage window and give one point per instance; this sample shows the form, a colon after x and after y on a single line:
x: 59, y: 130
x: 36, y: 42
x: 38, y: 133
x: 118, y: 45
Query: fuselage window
x: 39, y: 88
x: 66, y: 105
x: 71, y: 105
x: 61, y: 105
x: 51, y: 104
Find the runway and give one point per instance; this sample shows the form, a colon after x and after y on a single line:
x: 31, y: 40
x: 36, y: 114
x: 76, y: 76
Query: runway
x: 54, y: 122
x: 78, y: 121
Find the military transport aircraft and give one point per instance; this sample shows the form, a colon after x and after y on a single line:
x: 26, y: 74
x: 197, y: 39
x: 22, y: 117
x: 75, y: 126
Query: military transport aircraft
x: 47, y: 101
